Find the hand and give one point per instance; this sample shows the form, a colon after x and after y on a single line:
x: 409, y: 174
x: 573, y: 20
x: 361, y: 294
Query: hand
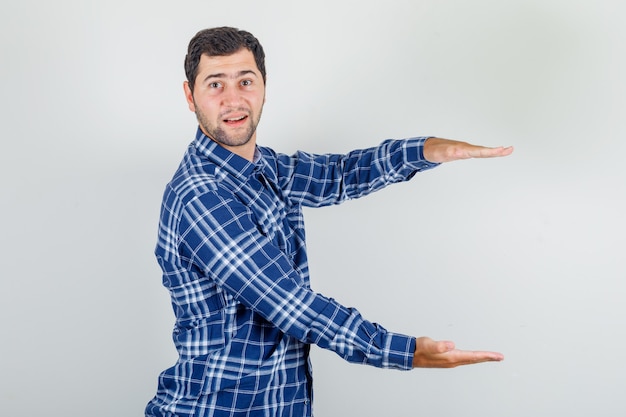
x: 433, y: 354
x: 445, y: 150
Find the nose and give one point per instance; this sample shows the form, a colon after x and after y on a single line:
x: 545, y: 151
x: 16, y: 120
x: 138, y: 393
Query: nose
x: 231, y: 96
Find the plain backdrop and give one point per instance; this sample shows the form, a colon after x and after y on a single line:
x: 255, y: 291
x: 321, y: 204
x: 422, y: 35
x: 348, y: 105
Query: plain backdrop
x: 522, y: 255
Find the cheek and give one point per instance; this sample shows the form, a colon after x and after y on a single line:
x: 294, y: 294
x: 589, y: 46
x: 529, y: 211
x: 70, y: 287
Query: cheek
x: 259, y: 100
x: 207, y: 107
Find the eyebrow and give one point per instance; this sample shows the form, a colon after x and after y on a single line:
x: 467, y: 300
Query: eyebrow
x: 223, y: 75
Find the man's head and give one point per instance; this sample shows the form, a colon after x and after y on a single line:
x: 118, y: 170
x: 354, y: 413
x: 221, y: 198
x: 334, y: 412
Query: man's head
x: 225, y: 86
x: 221, y: 41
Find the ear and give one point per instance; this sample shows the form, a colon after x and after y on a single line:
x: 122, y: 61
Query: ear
x: 189, y: 96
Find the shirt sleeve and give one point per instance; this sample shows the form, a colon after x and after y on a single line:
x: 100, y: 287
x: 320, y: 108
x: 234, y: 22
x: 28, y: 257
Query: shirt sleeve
x: 219, y: 237
x: 320, y: 180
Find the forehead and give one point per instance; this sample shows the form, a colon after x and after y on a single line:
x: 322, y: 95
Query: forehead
x: 227, y: 65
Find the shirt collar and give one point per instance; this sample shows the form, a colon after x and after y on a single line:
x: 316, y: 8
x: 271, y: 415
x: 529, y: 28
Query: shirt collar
x: 225, y: 159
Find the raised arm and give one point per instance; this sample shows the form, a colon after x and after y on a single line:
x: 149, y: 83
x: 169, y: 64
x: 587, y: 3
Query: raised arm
x: 318, y: 180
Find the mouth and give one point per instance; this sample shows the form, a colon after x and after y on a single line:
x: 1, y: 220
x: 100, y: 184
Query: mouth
x: 235, y: 120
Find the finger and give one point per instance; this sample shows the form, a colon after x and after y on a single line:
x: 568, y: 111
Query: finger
x: 471, y: 357
x: 485, y: 152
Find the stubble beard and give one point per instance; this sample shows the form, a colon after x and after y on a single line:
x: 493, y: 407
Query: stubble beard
x: 219, y: 135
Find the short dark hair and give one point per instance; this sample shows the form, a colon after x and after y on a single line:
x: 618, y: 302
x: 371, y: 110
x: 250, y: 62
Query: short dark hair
x: 221, y: 41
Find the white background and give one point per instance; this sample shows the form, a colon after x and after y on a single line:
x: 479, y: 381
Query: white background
x: 522, y: 255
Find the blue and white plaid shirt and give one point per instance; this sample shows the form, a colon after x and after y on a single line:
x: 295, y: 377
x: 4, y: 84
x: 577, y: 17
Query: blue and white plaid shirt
x: 232, y: 249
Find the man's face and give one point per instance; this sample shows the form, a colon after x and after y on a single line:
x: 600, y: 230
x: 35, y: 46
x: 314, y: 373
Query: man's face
x: 228, y: 99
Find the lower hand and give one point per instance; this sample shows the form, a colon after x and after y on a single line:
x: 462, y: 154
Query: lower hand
x: 443, y: 354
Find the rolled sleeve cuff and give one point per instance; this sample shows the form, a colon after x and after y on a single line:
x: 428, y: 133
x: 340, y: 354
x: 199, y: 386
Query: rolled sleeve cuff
x: 414, y: 153
x: 399, y: 351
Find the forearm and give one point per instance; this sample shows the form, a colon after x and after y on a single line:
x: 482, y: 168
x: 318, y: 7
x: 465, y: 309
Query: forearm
x: 318, y: 180
x: 344, y: 331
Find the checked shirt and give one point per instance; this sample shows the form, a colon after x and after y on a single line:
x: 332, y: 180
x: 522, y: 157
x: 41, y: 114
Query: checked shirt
x: 231, y: 245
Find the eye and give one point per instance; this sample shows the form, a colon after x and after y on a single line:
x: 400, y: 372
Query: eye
x: 246, y: 83
x: 215, y: 84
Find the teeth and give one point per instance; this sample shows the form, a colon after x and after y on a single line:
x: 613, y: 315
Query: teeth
x: 235, y: 119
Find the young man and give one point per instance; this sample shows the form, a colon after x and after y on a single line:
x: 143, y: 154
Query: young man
x: 231, y: 247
